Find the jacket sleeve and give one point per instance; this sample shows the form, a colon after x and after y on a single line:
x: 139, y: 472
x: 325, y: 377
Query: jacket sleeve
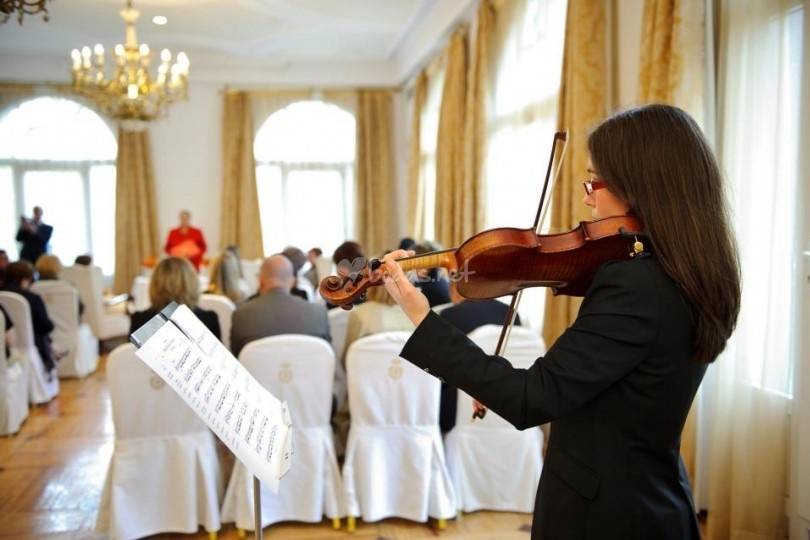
x: 615, y: 328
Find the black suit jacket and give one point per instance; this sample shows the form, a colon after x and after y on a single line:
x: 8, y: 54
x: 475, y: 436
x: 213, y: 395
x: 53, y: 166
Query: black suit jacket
x: 617, y: 385
x: 208, y: 318
x: 34, y: 244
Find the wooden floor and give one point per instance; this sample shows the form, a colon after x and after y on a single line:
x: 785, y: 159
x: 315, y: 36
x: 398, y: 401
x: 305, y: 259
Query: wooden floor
x: 52, y: 473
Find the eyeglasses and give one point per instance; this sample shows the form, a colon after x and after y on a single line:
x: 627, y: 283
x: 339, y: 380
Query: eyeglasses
x: 592, y: 185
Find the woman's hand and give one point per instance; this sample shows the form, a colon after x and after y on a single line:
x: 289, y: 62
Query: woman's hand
x: 409, y: 298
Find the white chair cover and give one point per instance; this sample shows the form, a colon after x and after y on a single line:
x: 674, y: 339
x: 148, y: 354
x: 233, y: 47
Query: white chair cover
x: 71, y: 337
x: 140, y: 293
x: 493, y: 465
x: 224, y: 308
x: 307, y: 286
x: 40, y: 389
x: 164, y: 474
x: 299, y: 370
x: 105, y: 323
x: 394, y: 456
x: 13, y: 389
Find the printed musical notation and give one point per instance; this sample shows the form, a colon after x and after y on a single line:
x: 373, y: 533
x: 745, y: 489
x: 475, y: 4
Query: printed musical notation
x: 250, y: 420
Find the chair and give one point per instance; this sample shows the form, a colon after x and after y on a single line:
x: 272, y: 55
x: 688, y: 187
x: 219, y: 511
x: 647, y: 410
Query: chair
x: 299, y: 370
x: 394, y: 456
x: 164, y: 475
x: 105, y: 322
x: 224, y: 308
x: 13, y: 389
x: 140, y: 293
x: 70, y: 337
x: 40, y: 388
x: 476, y: 451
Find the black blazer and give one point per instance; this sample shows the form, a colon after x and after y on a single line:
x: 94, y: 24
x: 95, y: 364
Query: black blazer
x: 617, y: 385
x: 34, y: 244
x: 208, y: 318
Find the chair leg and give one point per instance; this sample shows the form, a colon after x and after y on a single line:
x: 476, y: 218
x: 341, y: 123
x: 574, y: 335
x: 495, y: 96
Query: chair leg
x: 240, y: 532
x: 212, y: 535
x: 350, y: 524
x: 441, y: 524
x: 336, y: 523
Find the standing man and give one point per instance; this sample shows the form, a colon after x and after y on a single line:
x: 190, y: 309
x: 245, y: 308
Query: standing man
x: 34, y: 235
x: 186, y: 241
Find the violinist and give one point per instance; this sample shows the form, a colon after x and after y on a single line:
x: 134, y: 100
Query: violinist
x: 619, y: 382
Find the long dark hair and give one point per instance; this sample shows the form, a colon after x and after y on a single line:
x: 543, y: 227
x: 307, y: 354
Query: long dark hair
x: 657, y: 160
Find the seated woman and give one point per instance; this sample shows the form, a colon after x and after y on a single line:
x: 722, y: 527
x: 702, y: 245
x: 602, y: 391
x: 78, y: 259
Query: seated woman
x: 49, y: 268
x: 226, y: 278
x: 174, y: 280
x: 19, y: 277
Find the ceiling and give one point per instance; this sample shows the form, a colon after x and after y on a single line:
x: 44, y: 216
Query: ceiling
x: 273, y: 33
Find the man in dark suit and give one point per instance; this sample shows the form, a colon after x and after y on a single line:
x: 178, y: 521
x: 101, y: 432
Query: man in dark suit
x: 466, y: 315
x: 34, y: 235
x: 275, y: 311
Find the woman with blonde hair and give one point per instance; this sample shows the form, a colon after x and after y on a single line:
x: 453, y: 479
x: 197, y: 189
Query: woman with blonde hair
x: 226, y: 277
x: 48, y: 267
x: 174, y: 280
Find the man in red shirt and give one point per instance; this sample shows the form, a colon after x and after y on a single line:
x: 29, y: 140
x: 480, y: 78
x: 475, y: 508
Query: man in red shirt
x: 186, y: 241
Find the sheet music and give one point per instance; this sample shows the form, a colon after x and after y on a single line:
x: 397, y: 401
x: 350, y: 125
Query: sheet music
x: 250, y: 420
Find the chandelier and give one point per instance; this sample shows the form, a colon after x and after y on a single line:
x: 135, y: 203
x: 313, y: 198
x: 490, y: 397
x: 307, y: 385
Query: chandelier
x: 22, y: 7
x: 130, y: 93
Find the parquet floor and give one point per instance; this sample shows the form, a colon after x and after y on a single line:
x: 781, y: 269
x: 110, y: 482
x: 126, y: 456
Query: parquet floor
x: 52, y: 473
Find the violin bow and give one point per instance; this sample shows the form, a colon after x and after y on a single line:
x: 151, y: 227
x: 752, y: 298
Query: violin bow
x: 560, y: 137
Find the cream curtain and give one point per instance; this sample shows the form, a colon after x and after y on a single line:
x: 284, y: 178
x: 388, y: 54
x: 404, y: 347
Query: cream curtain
x: 475, y: 129
x: 760, y: 145
x: 136, y: 235
x: 582, y: 106
x: 416, y: 185
x: 239, y: 222
x: 375, y: 226
x: 454, y: 205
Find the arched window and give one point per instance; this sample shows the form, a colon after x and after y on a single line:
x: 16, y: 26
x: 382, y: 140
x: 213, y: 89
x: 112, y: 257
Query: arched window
x: 59, y: 155
x: 304, y: 174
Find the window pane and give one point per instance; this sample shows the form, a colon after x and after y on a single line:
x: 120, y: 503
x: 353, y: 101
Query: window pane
x: 55, y: 129
x: 102, y: 217
x: 61, y: 196
x: 9, y: 219
x: 271, y: 207
x: 315, y: 209
x: 307, y: 132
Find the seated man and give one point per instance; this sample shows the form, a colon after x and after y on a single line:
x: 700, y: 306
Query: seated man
x: 275, y: 311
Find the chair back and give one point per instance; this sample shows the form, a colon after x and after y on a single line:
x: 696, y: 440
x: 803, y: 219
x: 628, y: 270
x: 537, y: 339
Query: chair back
x: 523, y: 349
x: 62, y: 301
x: 307, y: 286
x: 140, y: 293
x: 142, y: 404
x: 297, y: 369
x: 3, y: 357
x: 384, y: 389
x: 89, y: 282
x: 224, y: 308
x: 250, y: 270
x: 20, y: 313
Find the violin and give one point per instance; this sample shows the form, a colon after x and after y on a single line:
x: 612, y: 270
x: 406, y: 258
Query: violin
x: 504, y: 261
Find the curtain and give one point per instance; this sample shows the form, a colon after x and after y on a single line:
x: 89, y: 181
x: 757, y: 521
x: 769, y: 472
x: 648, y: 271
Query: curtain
x: 455, y: 218
x: 416, y: 184
x: 760, y: 67
x: 476, y: 121
x: 375, y: 171
x: 136, y: 235
x: 240, y: 223
x: 582, y: 105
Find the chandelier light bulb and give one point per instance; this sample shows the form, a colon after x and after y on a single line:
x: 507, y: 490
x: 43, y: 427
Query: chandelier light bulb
x: 159, y: 20
x: 166, y: 55
x: 132, y: 91
x: 119, y: 50
x: 86, y: 52
x: 182, y: 59
x: 99, y: 49
x: 144, y: 49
